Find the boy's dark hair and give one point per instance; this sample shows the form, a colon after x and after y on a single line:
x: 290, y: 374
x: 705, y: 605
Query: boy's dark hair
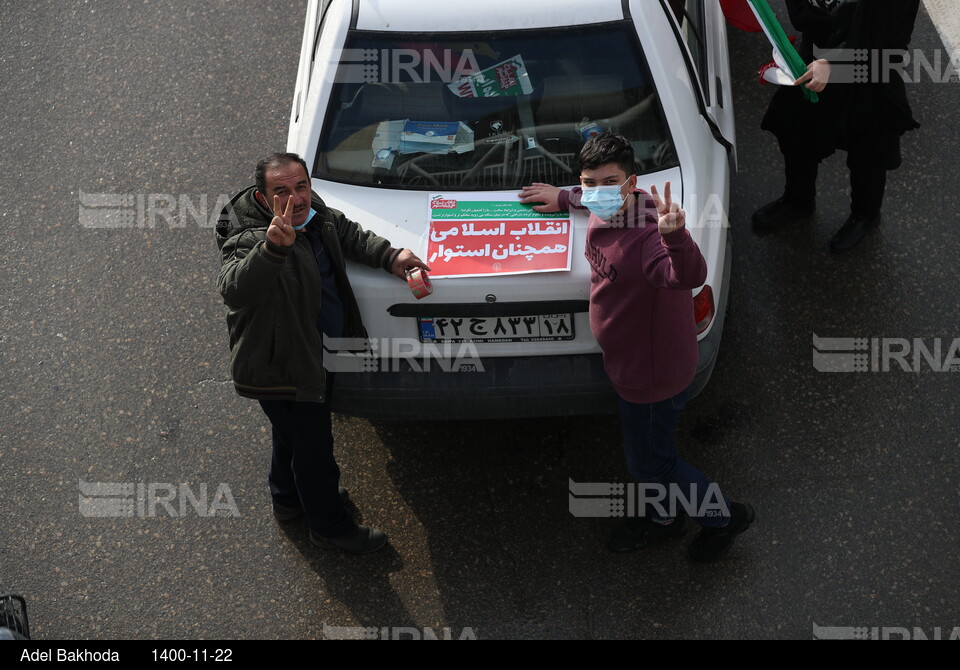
x: 274, y: 161
x: 607, y: 148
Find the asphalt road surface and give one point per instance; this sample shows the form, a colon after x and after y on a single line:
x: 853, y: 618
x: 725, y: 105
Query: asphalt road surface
x: 114, y: 356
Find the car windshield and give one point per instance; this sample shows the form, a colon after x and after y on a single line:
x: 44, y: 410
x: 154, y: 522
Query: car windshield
x: 487, y: 111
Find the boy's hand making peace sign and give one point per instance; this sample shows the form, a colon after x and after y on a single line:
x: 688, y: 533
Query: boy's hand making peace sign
x: 672, y: 217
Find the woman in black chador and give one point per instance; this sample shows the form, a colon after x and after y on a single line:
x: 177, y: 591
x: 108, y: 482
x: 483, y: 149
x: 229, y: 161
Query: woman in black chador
x: 863, y: 108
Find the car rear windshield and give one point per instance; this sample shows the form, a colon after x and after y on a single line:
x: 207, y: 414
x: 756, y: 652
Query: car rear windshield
x: 487, y: 111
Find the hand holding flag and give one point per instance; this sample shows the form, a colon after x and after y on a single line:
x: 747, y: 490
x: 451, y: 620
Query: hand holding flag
x: 784, y: 54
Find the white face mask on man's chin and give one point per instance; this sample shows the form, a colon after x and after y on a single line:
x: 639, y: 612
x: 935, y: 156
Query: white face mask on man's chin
x: 262, y: 200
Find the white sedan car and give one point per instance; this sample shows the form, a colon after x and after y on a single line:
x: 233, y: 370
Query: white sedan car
x: 422, y: 121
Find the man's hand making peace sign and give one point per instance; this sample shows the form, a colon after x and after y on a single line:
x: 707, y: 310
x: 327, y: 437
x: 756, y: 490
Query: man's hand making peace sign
x: 281, y: 230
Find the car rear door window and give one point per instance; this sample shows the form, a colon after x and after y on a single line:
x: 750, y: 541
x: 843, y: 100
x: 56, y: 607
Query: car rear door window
x: 692, y: 21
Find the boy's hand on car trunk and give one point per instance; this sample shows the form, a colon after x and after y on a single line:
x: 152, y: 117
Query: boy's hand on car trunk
x: 545, y: 193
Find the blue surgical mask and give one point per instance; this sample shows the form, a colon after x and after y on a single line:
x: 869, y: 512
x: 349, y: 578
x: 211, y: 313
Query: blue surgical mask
x: 603, y: 201
x: 309, y: 216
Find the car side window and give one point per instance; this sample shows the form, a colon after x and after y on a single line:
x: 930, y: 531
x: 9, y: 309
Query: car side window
x: 691, y: 18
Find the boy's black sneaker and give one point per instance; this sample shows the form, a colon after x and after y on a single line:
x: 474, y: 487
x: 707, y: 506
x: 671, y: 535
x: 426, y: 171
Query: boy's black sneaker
x: 364, y: 540
x: 712, y: 543
x: 637, y: 532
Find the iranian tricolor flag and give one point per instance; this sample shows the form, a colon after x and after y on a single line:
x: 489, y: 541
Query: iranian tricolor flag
x: 787, y: 65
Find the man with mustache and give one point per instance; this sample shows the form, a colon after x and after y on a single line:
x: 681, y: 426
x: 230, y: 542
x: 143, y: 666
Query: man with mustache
x: 283, y: 278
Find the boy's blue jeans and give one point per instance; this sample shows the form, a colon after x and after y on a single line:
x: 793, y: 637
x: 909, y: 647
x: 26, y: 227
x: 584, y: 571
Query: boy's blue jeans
x: 651, y: 452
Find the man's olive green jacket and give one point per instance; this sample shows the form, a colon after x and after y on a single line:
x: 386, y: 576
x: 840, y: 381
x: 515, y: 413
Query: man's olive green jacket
x: 272, y: 295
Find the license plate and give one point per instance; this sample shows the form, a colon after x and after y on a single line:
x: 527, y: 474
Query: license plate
x: 540, y: 328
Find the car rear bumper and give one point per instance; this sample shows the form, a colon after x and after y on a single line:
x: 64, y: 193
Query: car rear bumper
x: 506, y: 388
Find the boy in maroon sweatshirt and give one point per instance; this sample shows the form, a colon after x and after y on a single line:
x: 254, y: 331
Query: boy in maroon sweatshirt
x: 645, y: 266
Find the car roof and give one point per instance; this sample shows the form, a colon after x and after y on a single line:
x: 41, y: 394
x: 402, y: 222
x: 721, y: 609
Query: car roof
x: 445, y: 16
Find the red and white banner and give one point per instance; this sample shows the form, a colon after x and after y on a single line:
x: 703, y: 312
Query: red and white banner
x: 493, y: 234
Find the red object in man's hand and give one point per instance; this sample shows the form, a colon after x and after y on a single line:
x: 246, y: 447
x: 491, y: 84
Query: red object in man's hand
x: 739, y: 15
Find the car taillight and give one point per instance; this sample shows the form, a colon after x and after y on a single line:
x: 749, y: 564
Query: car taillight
x: 703, y: 309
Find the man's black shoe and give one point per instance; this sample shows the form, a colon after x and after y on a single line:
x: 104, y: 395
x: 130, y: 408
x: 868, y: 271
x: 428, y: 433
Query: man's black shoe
x: 780, y: 212
x: 363, y: 541
x: 284, y: 513
x: 712, y: 543
x: 852, y: 232
x: 637, y: 532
